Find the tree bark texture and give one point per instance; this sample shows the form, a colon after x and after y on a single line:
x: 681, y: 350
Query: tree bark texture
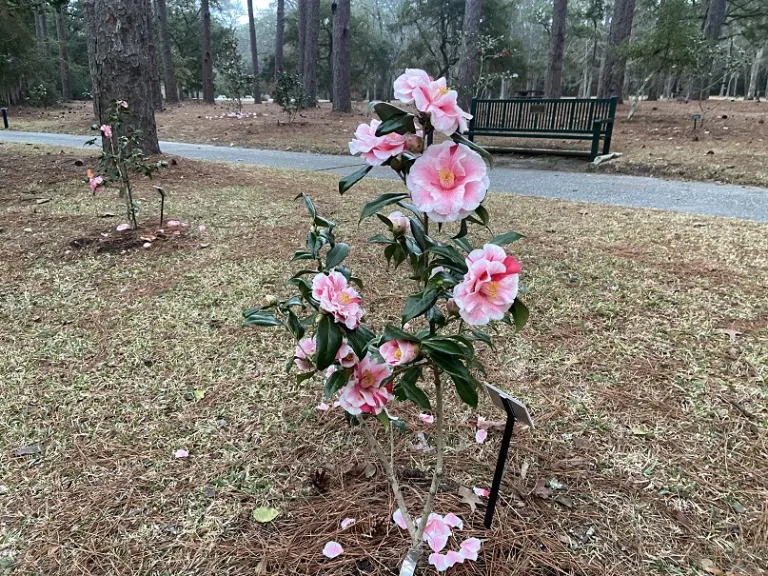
x: 119, y: 57
x: 279, y: 37
x: 157, y: 91
x: 615, y: 65
x: 713, y: 23
x: 208, y: 91
x: 553, y: 82
x: 754, y: 90
x: 473, y: 13
x: 302, y: 6
x: 61, y: 37
x: 254, y: 54
x: 311, y: 51
x: 46, y: 42
x: 342, y: 98
x: 169, y: 70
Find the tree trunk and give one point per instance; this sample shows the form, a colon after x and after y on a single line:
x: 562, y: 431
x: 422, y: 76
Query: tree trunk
x: 473, y: 13
x: 46, y: 42
x: 302, y: 6
x: 279, y: 37
x: 713, y: 26
x: 169, y: 70
x: 553, y: 82
x: 342, y: 99
x: 61, y: 36
x: 119, y: 59
x: 754, y: 72
x: 208, y: 91
x: 312, y: 36
x: 653, y: 88
x: 254, y: 54
x: 157, y: 91
x: 615, y: 65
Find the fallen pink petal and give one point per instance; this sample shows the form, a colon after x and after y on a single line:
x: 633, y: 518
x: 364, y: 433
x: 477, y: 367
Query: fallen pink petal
x: 322, y: 406
x: 347, y: 522
x: 470, y: 547
x: 122, y: 227
x: 332, y: 549
x: 202, y: 228
x: 399, y: 519
x: 482, y: 492
x: 454, y: 521
x: 428, y: 418
x: 181, y: 453
x: 480, y: 436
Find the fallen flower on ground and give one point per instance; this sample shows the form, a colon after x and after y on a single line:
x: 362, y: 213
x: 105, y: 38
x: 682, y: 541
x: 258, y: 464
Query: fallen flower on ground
x: 332, y: 549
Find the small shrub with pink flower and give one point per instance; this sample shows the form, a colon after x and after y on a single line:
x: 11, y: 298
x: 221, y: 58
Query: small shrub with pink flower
x: 461, y: 289
x: 121, y: 157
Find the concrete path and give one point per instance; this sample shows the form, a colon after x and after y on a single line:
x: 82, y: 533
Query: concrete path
x: 745, y: 202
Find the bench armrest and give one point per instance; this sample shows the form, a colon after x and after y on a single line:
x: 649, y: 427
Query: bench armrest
x: 604, y: 121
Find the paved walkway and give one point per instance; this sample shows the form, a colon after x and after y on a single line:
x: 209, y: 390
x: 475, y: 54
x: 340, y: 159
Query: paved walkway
x: 693, y: 197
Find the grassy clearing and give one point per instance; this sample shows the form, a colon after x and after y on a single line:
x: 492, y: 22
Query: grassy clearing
x: 644, y: 366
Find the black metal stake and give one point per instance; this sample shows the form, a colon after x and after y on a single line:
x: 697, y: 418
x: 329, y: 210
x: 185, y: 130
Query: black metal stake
x: 499, y: 473
x: 5, y: 117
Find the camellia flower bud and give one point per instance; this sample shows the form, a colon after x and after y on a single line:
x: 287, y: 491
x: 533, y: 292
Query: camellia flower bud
x: 452, y: 308
x: 414, y: 143
x: 400, y: 223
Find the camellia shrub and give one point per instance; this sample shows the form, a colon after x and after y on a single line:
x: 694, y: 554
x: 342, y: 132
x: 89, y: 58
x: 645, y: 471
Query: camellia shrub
x: 461, y: 291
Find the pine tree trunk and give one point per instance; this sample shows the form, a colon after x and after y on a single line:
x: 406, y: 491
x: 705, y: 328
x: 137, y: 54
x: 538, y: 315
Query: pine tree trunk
x: 302, y: 6
x: 342, y: 99
x: 653, y: 88
x: 279, y: 37
x: 157, y: 91
x: 254, y: 54
x: 169, y: 70
x: 615, y: 66
x: 473, y: 13
x: 61, y: 36
x: 754, y: 72
x: 713, y: 26
x: 119, y: 59
x: 553, y: 82
x: 311, y: 51
x: 46, y: 42
x: 208, y: 90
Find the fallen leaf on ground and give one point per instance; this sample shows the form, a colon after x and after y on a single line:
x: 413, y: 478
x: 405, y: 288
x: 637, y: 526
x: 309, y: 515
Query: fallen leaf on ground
x: 370, y: 470
x: 542, y: 489
x: 564, y: 501
x: 42, y: 200
x: 469, y: 497
x: 27, y: 450
x: 709, y: 566
x: 264, y: 515
x: 422, y: 445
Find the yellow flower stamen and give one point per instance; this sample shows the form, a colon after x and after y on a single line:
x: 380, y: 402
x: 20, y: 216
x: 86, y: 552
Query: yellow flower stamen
x: 447, y: 177
x: 493, y: 289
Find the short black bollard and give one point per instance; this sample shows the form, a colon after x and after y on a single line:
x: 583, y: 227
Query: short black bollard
x: 5, y: 117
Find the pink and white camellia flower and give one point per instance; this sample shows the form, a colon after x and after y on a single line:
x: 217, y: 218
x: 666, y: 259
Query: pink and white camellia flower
x: 406, y: 83
x: 400, y: 223
x: 96, y: 183
x: 364, y: 392
x: 332, y: 549
x: 448, y: 182
x: 375, y: 150
x: 489, y: 287
x: 106, y: 130
x: 337, y: 298
x: 398, y: 352
x: 440, y: 102
x: 346, y: 356
x: 306, y: 348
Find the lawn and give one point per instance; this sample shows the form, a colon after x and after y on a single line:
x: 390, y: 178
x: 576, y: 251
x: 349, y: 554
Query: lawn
x: 731, y: 145
x: 643, y: 364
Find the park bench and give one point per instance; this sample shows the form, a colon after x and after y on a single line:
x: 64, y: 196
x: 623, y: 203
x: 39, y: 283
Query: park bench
x: 569, y: 118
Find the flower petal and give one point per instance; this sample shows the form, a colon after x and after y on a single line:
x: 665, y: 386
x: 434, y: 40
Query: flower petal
x: 470, y: 547
x: 480, y: 492
x: 399, y: 519
x: 322, y: 406
x: 480, y: 436
x: 454, y: 521
x: 181, y: 453
x: 332, y: 549
x: 428, y: 418
x: 347, y: 522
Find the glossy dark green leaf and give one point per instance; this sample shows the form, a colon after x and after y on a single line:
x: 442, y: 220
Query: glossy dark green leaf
x: 394, y: 333
x: 384, y: 200
x: 385, y: 110
x: 483, y: 337
x: 435, y: 317
x: 410, y: 389
x: 359, y: 339
x: 380, y: 239
x: 348, y: 181
x: 261, y: 318
x: 304, y: 376
x: 482, y: 213
x: 295, y: 325
x: 463, y: 230
x: 302, y: 255
x: 337, y: 380
x: 443, y: 346
x: 390, y: 250
x: 464, y: 381
x: 463, y: 243
x: 398, y: 124
x: 506, y: 238
x: 422, y: 240
x: 519, y: 313
x: 451, y: 254
x: 459, y: 139
x: 384, y: 219
x: 328, y: 338
x: 418, y: 304
x: 466, y: 390
x: 336, y: 255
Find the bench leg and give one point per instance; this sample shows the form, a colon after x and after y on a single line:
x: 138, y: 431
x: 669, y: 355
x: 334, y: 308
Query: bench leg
x: 595, y: 141
x: 607, y: 142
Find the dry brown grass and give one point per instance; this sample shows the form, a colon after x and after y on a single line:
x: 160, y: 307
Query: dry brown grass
x: 644, y: 366
x: 730, y: 146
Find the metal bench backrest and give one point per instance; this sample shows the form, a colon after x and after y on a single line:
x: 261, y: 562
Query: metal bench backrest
x: 567, y: 116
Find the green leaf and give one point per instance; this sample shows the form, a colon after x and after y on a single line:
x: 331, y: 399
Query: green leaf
x: 385, y: 110
x: 483, y: 337
x: 506, y: 238
x: 435, y: 318
x: 463, y: 243
x: 348, y: 181
x: 329, y: 339
x: 459, y: 139
x: 260, y: 318
x: 304, y: 375
x: 482, y: 213
x: 390, y: 250
x: 444, y: 346
x: 466, y: 390
x: 418, y: 234
x: 451, y: 254
x: 359, y: 339
x: 336, y: 255
x: 462, y: 230
x: 519, y: 313
x: 394, y: 333
x: 384, y: 200
x: 418, y: 304
x: 380, y: 238
x: 295, y: 325
x: 400, y: 124
x: 265, y: 515
x: 411, y: 391
x: 309, y: 204
x: 337, y: 380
